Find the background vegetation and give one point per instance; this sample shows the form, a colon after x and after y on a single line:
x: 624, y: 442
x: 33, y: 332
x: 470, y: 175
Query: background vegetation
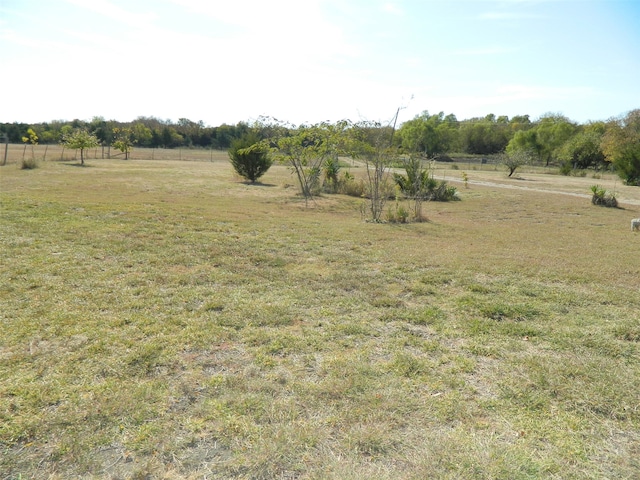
x: 551, y: 140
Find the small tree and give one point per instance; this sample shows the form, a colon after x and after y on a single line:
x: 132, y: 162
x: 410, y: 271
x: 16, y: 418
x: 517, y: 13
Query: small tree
x: 123, y: 140
x: 250, y: 157
x: 621, y: 146
x: 373, y: 143
x: 515, y: 159
x: 31, y: 139
x: 307, y: 150
x: 415, y: 184
x: 331, y: 169
x: 419, y: 186
x: 81, y: 140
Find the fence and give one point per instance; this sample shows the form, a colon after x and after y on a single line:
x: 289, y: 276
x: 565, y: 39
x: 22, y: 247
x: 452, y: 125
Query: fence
x: 14, y: 153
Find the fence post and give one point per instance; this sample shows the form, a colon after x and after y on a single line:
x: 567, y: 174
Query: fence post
x: 6, y: 148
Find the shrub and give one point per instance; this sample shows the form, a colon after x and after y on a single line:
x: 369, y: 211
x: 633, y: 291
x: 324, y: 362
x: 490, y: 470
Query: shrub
x: 602, y: 197
x: 399, y: 214
x: 331, y: 169
x: 28, y: 164
x: 250, y: 157
x: 419, y: 183
x: 347, y: 185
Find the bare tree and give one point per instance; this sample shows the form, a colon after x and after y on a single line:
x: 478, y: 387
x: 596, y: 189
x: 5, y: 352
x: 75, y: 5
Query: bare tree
x: 373, y: 143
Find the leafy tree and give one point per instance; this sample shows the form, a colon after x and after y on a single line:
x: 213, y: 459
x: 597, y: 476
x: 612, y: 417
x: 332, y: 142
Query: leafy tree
x: 306, y: 150
x: 520, y: 122
x: 544, y: 140
x: 552, y: 131
x: 123, y: 140
x: 516, y: 159
x: 429, y: 135
x: 224, y: 134
x: 102, y: 129
x: 484, y: 136
x: 250, y: 157
x: 81, y: 140
x: 582, y: 151
x: 191, y: 131
x: 331, y: 169
x: 171, y: 138
x: 14, y: 131
x: 142, y: 134
x: 621, y: 146
x: 32, y: 139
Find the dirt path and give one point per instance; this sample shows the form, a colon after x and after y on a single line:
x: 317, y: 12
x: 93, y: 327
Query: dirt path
x: 621, y: 198
x: 538, y: 182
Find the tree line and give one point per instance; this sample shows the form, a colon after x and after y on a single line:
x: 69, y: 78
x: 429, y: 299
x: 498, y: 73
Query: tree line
x: 551, y: 140
x: 146, y: 132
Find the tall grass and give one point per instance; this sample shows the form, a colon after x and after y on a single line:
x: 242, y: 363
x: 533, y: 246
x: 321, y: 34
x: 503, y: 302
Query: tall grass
x: 161, y: 320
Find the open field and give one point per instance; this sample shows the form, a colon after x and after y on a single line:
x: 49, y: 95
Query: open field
x: 165, y: 320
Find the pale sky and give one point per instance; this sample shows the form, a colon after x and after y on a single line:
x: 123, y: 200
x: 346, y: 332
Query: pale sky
x: 306, y: 61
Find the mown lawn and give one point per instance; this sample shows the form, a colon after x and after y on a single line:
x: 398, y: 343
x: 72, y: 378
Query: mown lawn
x: 164, y: 320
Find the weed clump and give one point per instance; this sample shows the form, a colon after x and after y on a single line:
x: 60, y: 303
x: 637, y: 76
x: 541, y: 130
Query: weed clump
x: 602, y: 197
x: 28, y: 164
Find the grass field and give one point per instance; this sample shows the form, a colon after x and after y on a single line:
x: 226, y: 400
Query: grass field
x: 162, y: 319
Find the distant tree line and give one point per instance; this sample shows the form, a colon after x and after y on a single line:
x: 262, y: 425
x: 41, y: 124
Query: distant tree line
x: 551, y: 140
x: 149, y: 132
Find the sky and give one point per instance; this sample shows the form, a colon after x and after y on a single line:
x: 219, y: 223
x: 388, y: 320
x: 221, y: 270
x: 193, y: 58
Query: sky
x: 308, y: 61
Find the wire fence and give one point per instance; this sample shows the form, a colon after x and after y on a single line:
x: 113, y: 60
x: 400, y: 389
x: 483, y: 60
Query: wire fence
x: 15, y: 153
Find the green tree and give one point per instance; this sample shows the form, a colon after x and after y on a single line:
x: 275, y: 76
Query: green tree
x: 581, y: 151
x: 142, y: 134
x: 544, y: 140
x: 485, y: 136
x: 515, y: 159
x: 30, y: 139
x: 80, y: 139
x: 306, y: 151
x: 171, y: 138
x: 123, y: 140
x: 429, y: 135
x: 102, y: 129
x: 621, y: 146
x: 250, y: 157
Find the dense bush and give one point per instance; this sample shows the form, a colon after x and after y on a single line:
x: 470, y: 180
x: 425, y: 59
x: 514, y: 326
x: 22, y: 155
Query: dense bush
x: 419, y: 183
x: 28, y: 163
x: 250, y: 158
x: 602, y: 197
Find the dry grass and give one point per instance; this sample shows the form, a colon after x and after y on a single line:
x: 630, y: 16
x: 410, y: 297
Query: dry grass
x: 165, y: 320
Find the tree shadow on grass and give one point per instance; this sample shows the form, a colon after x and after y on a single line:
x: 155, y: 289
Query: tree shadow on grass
x: 259, y: 184
x: 69, y: 164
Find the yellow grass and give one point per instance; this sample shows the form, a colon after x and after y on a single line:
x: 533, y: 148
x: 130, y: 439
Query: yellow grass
x: 163, y: 319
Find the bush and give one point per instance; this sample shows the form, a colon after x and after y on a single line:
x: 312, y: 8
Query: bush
x: 347, y: 185
x: 28, y: 164
x: 419, y: 183
x: 250, y: 157
x: 399, y: 214
x: 444, y: 193
x: 331, y: 169
x: 602, y: 197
